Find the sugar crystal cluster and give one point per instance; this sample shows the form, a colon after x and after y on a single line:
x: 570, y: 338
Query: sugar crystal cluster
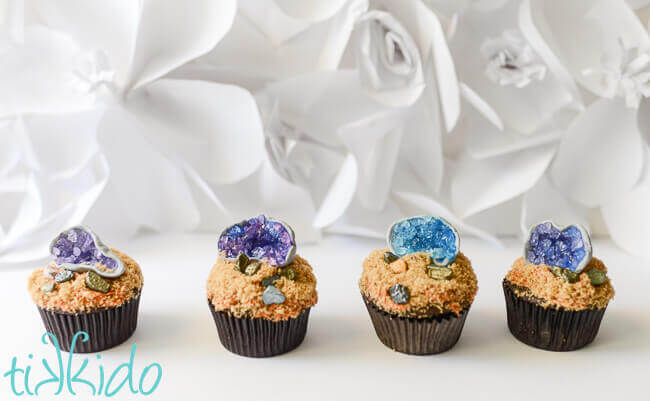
x: 78, y: 248
x: 568, y: 248
x: 259, y: 238
x: 428, y: 234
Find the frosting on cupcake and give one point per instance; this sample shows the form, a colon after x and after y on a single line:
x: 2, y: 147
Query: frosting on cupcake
x: 289, y: 290
x: 427, y: 296
x: 549, y: 289
x: 55, y: 288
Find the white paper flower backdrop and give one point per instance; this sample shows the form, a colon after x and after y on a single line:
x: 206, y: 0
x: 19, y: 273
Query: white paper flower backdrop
x: 338, y: 116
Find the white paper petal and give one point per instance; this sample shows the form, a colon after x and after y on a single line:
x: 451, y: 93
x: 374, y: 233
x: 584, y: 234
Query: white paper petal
x: 320, y: 47
x: 108, y: 27
x: 484, y: 140
x: 360, y: 221
x: 501, y: 178
x: 340, y: 194
x: 310, y: 10
x: 318, y: 104
x: 266, y: 16
x: 628, y: 220
x: 36, y: 75
x: 12, y: 22
x: 643, y: 116
x: 597, y: 29
x: 215, y: 127
x: 375, y: 146
x: 390, y: 68
x: 523, y: 109
x: 601, y: 155
x: 171, y: 33
x: 49, y: 205
x: 151, y: 190
x: 74, y: 140
x: 428, y: 33
x: 531, y: 33
x: 422, y: 142
x: 545, y: 202
x: 481, y: 105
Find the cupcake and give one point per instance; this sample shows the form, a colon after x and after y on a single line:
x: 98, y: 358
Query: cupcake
x: 556, y: 294
x: 259, y: 291
x: 89, y: 288
x: 419, y: 290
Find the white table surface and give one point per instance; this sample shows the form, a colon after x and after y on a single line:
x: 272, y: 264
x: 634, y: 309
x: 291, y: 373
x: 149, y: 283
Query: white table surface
x: 341, y: 358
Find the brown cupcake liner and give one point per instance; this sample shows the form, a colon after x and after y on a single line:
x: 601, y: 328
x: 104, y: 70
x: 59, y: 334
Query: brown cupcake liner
x: 552, y: 329
x: 259, y: 338
x: 416, y: 336
x: 106, y: 328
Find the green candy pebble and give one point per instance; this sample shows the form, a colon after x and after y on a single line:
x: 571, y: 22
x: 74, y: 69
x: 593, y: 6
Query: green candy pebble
x: 597, y: 277
x: 48, y: 287
x: 241, y: 263
x: 289, y: 273
x: 96, y: 283
x: 565, y: 274
x: 439, y: 273
x: 390, y: 257
x: 267, y: 281
x: 252, y: 268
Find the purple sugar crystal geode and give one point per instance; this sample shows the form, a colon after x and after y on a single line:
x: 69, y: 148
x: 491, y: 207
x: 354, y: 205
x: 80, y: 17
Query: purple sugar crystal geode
x: 568, y: 247
x: 259, y: 238
x: 80, y: 249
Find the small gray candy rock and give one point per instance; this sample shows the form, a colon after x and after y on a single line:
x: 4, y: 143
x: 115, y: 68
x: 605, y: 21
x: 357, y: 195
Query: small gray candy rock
x: 272, y: 295
x: 63, y: 276
x: 267, y: 281
x: 399, y: 293
x: 48, y: 287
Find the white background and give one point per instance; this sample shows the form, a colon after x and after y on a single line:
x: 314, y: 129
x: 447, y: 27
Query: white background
x: 341, y: 358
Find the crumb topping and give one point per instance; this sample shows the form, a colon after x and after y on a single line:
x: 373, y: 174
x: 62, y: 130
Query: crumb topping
x: 74, y: 296
x: 428, y: 296
x: 539, y: 282
x: 241, y: 295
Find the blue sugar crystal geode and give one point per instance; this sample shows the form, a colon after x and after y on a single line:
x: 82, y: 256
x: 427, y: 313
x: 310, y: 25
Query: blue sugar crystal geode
x: 568, y: 248
x: 431, y: 235
x: 80, y: 249
x: 259, y: 238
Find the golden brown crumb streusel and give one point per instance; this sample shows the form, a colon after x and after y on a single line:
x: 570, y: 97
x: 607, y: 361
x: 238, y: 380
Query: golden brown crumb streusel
x: 74, y: 297
x: 539, y: 282
x: 428, y: 296
x: 240, y: 294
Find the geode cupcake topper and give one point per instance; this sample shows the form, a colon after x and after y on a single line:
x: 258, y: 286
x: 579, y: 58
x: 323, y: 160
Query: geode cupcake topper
x: 259, y: 238
x: 429, y: 234
x: 80, y: 249
x: 567, y: 247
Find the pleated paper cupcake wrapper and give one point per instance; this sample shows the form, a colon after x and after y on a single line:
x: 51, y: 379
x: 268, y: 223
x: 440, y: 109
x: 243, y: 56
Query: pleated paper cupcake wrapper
x: 106, y: 328
x: 259, y: 338
x: 550, y: 328
x: 416, y: 336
